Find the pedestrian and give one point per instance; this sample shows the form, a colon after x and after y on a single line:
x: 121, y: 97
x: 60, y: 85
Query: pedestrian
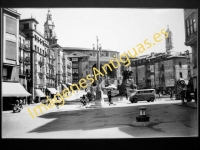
x: 171, y: 94
x: 29, y: 100
x: 188, y: 97
x: 182, y: 94
x: 195, y: 94
x: 57, y: 103
x: 126, y: 93
x: 159, y: 94
x: 20, y: 103
x: 109, y: 93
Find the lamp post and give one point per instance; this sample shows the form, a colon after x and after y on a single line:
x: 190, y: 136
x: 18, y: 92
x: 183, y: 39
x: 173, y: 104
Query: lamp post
x: 99, y: 94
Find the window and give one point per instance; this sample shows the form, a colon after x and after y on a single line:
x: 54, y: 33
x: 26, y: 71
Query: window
x: 35, y: 26
x: 168, y: 40
x: 191, y: 26
x: 26, y: 26
x: 181, y: 76
x: 35, y: 47
x: 180, y: 65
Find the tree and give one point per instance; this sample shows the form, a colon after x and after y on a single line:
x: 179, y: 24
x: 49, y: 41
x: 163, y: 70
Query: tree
x: 122, y: 87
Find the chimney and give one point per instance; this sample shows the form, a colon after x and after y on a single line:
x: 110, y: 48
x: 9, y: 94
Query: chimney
x: 152, y: 54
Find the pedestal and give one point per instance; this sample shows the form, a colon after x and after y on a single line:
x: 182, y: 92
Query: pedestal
x: 99, y: 102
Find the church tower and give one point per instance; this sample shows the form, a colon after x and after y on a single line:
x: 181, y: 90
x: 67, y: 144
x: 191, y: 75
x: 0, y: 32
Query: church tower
x: 49, y: 29
x: 168, y: 42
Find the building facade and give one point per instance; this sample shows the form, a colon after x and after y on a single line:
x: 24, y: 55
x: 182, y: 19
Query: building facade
x: 84, y: 60
x: 191, y: 24
x: 159, y: 70
x: 24, y: 61
x: 38, y: 47
x: 13, y: 59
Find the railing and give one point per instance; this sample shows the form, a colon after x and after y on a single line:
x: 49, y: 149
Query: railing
x: 22, y: 72
x: 50, y: 84
x: 51, y: 76
x: 21, y: 59
x: 47, y: 75
x: 68, y: 66
x: 64, y: 74
x: 41, y: 63
x: 40, y: 74
x: 51, y: 66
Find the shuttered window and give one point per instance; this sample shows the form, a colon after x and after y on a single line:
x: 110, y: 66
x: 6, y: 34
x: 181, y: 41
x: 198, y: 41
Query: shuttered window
x: 11, y: 25
x: 11, y: 51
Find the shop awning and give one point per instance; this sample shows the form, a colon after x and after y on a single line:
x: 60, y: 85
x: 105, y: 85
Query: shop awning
x: 13, y: 89
x: 69, y: 83
x: 64, y: 85
x: 52, y: 90
x: 39, y: 93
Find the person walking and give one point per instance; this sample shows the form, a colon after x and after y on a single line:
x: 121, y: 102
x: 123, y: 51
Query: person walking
x: 195, y: 95
x: 126, y: 93
x: 57, y: 103
x: 110, y: 96
x: 183, y: 93
x: 188, y: 97
x: 171, y: 94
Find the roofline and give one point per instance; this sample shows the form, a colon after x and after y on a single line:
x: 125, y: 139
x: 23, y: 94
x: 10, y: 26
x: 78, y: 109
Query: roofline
x: 79, y: 49
x: 144, y: 89
x: 29, y: 19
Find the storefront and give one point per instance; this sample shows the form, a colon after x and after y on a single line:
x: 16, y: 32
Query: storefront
x: 11, y: 91
x: 39, y: 95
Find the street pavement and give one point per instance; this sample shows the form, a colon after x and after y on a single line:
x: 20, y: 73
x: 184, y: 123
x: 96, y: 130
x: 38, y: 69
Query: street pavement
x: 168, y: 119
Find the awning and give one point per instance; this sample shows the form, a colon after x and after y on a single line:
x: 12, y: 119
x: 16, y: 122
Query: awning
x: 69, y: 83
x: 11, y: 89
x: 52, y: 90
x: 64, y: 85
x: 39, y: 93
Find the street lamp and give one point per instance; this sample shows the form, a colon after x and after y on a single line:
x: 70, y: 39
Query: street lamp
x: 99, y: 94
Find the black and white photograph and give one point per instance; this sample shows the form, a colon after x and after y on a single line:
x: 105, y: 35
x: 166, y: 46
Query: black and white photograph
x: 99, y: 73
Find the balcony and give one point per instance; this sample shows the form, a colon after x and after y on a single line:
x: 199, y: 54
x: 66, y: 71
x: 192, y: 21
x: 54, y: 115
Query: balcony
x: 40, y: 75
x: 47, y: 55
x: 22, y: 72
x: 41, y: 63
x: 21, y: 59
x: 50, y: 85
x: 68, y: 66
x: 64, y: 75
x: 69, y: 74
x: 51, y: 66
x: 162, y: 68
x: 47, y: 75
x: 52, y: 76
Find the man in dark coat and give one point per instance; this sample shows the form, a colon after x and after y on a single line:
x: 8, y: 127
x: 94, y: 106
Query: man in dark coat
x: 109, y: 96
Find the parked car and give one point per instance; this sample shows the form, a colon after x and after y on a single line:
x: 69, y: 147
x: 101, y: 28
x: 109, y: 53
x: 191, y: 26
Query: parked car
x: 148, y: 95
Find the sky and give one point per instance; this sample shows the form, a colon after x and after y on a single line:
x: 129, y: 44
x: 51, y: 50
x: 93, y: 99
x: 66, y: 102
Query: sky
x: 118, y: 29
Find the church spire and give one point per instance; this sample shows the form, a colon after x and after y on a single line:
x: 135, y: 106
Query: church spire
x: 49, y: 28
x: 169, y: 41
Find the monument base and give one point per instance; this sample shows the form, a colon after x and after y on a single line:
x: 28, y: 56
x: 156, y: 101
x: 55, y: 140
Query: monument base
x: 99, y: 102
x: 141, y: 124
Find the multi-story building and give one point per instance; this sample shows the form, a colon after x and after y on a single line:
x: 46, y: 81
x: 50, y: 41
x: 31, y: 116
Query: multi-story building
x: 38, y: 47
x: 84, y: 60
x: 79, y: 66
x: 159, y: 70
x: 24, y: 61
x: 191, y: 24
x: 11, y: 88
x: 67, y: 70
